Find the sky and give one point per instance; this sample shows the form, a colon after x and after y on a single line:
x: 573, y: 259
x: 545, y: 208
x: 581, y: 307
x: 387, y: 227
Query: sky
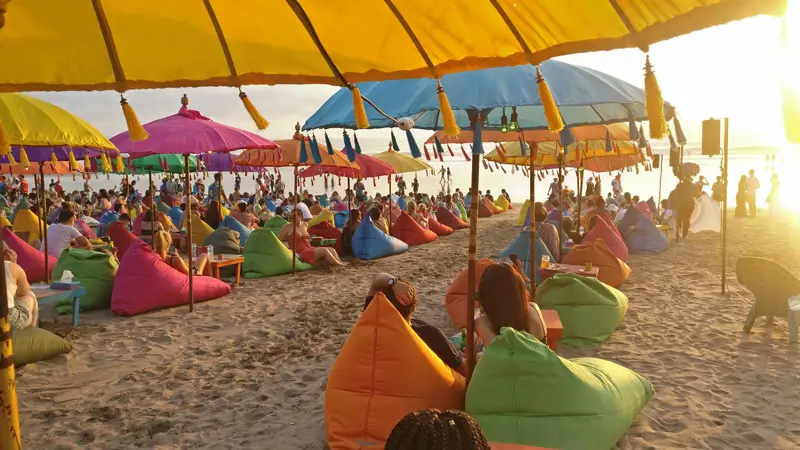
x: 728, y: 71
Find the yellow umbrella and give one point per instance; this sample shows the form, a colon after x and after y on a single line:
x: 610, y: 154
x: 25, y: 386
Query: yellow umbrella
x: 402, y: 162
x: 591, y: 155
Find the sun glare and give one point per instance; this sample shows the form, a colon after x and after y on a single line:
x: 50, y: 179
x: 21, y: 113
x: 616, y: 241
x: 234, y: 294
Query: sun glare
x: 790, y: 64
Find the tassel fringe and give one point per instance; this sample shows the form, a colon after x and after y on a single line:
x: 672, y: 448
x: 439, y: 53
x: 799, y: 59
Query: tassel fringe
x: 412, y: 144
x: 5, y: 141
x: 136, y: 131
x: 358, y: 108
x: 466, y: 155
x: 11, y: 160
x: 448, y: 118
x: 260, y: 121
x: 73, y: 163
x: 654, y: 103
x: 53, y: 159
x: 120, y: 163
x: 554, y: 121
x: 87, y: 164
x: 23, y: 157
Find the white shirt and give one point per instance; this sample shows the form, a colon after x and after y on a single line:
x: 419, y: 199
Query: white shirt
x: 59, y: 236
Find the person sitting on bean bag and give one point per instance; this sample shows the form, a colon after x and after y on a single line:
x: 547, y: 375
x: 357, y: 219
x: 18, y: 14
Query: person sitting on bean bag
x: 411, y: 209
x: 245, y: 218
x: 402, y: 295
x: 506, y: 302
x: 297, y: 239
x: 161, y: 243
x: 63, y: 235
x: 23, y: 309
x: 353, y: 220
x: 377, y: 219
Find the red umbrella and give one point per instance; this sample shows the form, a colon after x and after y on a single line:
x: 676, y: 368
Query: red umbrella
x: 369, y: 168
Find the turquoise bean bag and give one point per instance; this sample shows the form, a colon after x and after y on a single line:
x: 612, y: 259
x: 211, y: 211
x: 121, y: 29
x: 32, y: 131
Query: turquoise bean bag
x: 266, y: 256
x: 522, y: 248
x: 340, y: 218
x: 523, y: 393
x: 372, y: 243
x: 590, y: 310
x: 641, y: 235
x: 175, y: 213
x: 235, y: 225
x: 95, y: 270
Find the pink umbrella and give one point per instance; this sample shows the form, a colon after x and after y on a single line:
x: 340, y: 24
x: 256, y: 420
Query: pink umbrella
x: 190, y: 133
x: 369, y: 168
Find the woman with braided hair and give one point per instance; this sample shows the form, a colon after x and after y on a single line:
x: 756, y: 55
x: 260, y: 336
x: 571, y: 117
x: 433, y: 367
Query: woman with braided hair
x: 432, y: 429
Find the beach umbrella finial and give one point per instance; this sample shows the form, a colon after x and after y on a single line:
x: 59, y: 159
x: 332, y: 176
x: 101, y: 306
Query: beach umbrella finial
x: 185, y: 100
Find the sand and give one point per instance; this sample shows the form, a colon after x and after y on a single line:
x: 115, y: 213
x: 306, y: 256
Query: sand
x: 248, y: 371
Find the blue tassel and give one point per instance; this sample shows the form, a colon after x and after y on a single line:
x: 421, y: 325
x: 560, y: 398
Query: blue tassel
x: 523, y: 147
x: 315, y: 150
x: 358, y: 146
x: 348, y: 147
x: 412, y: 144
x: 679, y: 131
x: 642, y: 137
x: 609, y: 147
x: 566, y: 138
x: 477, y: 139
x: 395, y: 147
x: 303, y: 151
x: 439, y: 148
x: 328, y: 144
x: 633, y: 130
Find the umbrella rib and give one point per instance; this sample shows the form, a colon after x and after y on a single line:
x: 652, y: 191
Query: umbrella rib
x: 626, y: 21
x: 413, y: 36
x: 108, y: 39
x: 312, y: 33
x: 513, y: 28
x: 222, y: 42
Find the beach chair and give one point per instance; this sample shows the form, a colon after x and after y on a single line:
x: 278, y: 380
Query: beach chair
x: 772, y: 285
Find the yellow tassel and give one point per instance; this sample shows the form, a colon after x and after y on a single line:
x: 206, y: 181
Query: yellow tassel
x: 135, y: 129
x: 53, y: 159
x: 261, y: 122
x: 11, y: 160
x: 358, y: 108
x: 120, y: 164
x: 87, y: 164
x: 654, y: 103
x: 106, y: 163
x: 5, y: 140
x: 448, y: 118
x: 23, y: 157
x: 73, y: 163
x: 554, y: 121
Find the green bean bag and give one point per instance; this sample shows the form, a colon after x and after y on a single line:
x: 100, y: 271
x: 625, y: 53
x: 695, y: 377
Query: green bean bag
x: 275, y: 223
x: 523, y: 393
x: 96, y: 272
x: 590, y: 310
x: 31, y: 345
x: 462, y: 211
x: 266, y: 256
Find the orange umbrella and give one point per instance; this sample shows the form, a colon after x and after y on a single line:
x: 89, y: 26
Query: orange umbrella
x: 62, y: 168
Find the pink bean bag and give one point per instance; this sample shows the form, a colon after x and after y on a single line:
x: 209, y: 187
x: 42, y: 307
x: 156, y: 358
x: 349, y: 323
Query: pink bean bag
x: 328, y: 231
x: 339, y: 206
x: 84, y: 229
x: 145, y: 283
x: 409, y: 231
x: 30, y: 259
x: 438, y: 228
x: 445, y: 217
x: 610, y: 236
x: 121, y: 237
x: 645, y: 210
x: 136, y: 228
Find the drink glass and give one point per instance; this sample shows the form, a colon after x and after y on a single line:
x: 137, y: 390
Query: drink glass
x: 545, y: 261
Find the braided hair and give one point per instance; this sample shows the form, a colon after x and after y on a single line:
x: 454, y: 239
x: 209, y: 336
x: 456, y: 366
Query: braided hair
x: 432, y: 429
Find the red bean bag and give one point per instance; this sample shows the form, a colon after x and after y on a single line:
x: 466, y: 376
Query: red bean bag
x: 613, y: 271
x: 645, y: 210
x: 606, y: 232
x: 145, y: 283
x: 445, y: 217
x: 483, y: 208
x: 456, y: 297
x: 438, y: 228
x: 30, y: 259
x: 409, y: 231
x: 121, y: 237
x: 328, y: 231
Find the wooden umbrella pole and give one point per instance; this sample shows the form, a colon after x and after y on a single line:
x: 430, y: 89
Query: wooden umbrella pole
x: 294, y: 222
x: 532, y: 264
x: 560, y: 198
x: 579, y: 175
x: 152, y: 207
x: 390, y: 205
x: 43, y: 215
x: 725, y: 208
x: 189, y: 231
x: 660, y: 176
x: 349, y: 200
x: 9, y: 414
x: 219, y: 196
x: 473, y: 248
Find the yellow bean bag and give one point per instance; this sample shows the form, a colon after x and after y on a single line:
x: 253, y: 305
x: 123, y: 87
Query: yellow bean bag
x: 27, y: 222
x: 502, y: 203
x: 225, y: 210
x: 325, y: 216
x: 4, y: 223
x: 523, y: 213
x: 200, y: 230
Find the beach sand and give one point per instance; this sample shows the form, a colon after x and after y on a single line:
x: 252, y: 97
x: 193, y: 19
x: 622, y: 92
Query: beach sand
x: 248, y: 371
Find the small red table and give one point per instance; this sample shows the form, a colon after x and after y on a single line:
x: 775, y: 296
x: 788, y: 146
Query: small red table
x: 555, y: 330
x: 567, y: 268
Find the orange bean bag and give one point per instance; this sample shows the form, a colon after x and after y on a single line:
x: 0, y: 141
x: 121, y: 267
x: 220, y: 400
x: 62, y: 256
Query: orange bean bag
x: 438, y: 228
x: 613, y: 240
x: 328, y: 231
x: 121, y: 237
x: 446, y: 217
x: 456, y: 296
x: 383, y: 372
x: 613, y: 271
x: 30, y: 259
x: 483, y: 208
x: 409, y: 231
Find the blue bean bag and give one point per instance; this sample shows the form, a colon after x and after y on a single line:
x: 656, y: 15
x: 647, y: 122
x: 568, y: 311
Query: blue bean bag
x: 372, y: 243
x: 521, y: 247
x: 402, y: 203
x: 641, y: 235
x: 236, y: 226
x: 340, y: 218
x: 270, y: 205
x: 175, y: 214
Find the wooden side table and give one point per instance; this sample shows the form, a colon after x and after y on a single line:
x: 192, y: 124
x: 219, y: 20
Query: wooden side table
x: 45, y: 296
x: 555, y: 330
x: 227, y: 260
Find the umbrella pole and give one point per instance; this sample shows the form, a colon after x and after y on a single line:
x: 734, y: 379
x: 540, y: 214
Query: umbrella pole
x: 219, y: 196
x: 725, y: 208
x: 349, y: 200
x: 189, y: 231
x: 294, y: 222
x: 560, y: 199
x: 579, y: 175
x: 44, y: 226
x: 660, y: 176
x: 390, y: 205
x: 473, y: 247
x: 9, y: 416
x: 153, y: 204
x: 532, y: 264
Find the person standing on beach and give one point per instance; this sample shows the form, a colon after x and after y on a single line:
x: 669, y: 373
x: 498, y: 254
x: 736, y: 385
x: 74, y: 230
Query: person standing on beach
x: 773, y: 199
x: 616, y: 184
x: 718, y: 190
x: 682, y: 200
x: 415, y: 185
x: 590, y: 187
x: 598, y: 187
x: 752, y: 186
